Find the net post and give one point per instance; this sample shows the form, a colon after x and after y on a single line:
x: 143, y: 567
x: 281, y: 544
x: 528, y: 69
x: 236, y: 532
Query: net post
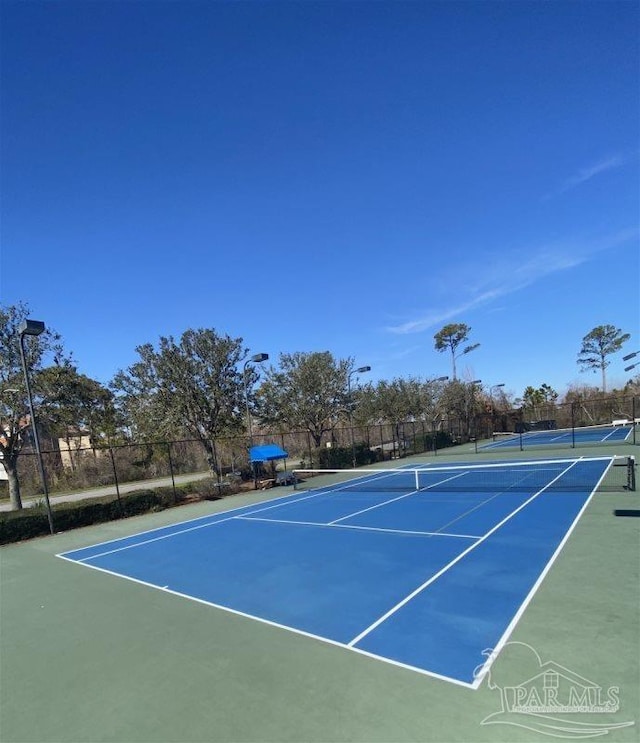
x: 631, y: 473
x: 415, y: 472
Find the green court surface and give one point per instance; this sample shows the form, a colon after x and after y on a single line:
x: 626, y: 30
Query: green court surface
x: 86, y: 656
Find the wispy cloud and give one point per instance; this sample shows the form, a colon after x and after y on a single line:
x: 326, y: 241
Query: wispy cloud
x: 591, y: 171
x: 507, y: 275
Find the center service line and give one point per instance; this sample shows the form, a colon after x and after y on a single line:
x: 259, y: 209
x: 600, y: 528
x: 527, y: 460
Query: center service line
x: 457, y: 559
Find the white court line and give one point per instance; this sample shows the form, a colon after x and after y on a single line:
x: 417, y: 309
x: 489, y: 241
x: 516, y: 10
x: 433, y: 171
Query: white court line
x: 449, y: 565
x: 399, y: 497
x: 180, y: 531
x: 559, y: 438
x: 614, y: 432
x: 278, y: 625
x: 329, y: 489
x: 512, y: 624
x: 281, y: 500
x: 495, y: 495
x: 335, y: 643
x: 360, y: 528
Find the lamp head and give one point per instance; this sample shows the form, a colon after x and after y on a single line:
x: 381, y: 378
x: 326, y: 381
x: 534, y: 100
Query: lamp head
x: 363, y: 369
x: 31, y: 327
x: 259, y: 358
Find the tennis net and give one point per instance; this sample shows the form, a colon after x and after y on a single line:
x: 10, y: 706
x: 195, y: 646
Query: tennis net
x: 601, y: 473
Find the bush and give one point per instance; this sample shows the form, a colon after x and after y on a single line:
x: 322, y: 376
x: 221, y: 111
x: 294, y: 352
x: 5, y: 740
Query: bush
x: 341, y: 457
x: 425, y: 443
x: 33, y: 522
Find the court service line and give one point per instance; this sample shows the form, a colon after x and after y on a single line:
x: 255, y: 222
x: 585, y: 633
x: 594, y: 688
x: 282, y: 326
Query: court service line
x: 453, y: 562
x: 392, y: 500
x: 359, y: 528
x: 524, y: 473
x: 180, y: 531
x: 280, y: 500
x: 211, y: 520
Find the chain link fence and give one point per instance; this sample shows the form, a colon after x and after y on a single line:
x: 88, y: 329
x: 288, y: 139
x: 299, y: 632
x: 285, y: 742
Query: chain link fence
x: 109, y: 471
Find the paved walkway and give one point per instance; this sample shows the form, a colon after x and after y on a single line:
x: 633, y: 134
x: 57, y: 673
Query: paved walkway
x: 127, y: 487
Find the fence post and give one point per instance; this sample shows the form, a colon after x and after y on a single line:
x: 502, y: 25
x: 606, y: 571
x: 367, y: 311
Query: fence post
x: 475, y: 433
x: 521, y: 429
x: 173, y: 480
x: 115, y: 478
x: 573, y: 426
x: 215, y: 462
x: 309, y: 449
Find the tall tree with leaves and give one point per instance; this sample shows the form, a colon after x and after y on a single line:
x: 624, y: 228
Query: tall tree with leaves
x: 401, y: 400
x: 533, y: 398
x: 450, y: 338
x: 73, y: 402
x: 462, y: 401
x: 307, y: 392
x: 601, y: 342
x: 194, y: 385
x: 14, y: 408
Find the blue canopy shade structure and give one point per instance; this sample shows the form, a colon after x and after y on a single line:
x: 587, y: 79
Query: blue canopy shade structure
x: 266, y: 453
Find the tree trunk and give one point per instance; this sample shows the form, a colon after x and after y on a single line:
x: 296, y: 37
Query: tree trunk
x: 14, y: 485
x: 317, y: 437
x: 211, y: 457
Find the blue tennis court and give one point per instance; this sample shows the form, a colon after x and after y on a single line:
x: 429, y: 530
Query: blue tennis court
x: 424, y: 568
x: 562, y: 437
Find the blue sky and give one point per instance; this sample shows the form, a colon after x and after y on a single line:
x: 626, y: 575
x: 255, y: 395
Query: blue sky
x: 344, y: 176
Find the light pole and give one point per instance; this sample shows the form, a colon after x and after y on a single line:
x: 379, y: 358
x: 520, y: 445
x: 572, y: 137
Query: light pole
x: 631, y: 356
x: 494, y: 387
x: 359, y: 370
x: 472, y: 407
x: 257, y: 358
x: 436, y: 414
x: 468, y: 349
x: 34, y: 327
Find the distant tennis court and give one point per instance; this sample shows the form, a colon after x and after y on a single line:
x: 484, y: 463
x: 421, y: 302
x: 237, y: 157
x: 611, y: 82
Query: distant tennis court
x: 424, y: 568
x: 562, y: 437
